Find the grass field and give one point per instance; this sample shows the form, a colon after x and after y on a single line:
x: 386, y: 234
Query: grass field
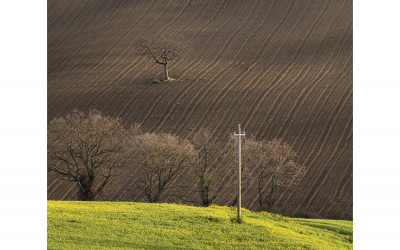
x: 113, y: 225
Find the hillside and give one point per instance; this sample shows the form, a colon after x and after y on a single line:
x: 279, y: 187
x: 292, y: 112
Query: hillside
x: 101, y: 225
x: 283, y: 69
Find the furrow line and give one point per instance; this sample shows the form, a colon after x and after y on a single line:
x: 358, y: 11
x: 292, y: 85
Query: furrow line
x: 231, y: 113
x: 257, y: 103
x: 171, y: 109
x: 104, y: 57
x: 61, y: 90
x: 160, y: 95
x: 321, y: 145
x: 293, y: 60
x: 214, y: 107
x: 292, y: 114
x: 342, y: 178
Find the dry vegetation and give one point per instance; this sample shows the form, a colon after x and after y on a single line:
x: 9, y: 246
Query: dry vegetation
x: 86, y: 150
x: 283, y: 69
x: 158, y: 160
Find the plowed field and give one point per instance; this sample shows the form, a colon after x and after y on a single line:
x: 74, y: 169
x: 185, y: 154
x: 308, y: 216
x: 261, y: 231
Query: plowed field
x: 281, y: 68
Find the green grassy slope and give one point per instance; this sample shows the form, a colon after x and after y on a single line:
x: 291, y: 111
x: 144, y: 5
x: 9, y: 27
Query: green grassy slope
x: 106, y: 225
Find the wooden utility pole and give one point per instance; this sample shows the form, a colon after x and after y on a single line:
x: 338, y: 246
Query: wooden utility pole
x: 239, y: 198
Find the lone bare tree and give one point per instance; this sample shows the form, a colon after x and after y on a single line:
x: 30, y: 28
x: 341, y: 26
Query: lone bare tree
x: 161, y: 159
x: 207, y: 152
x: 86, y: 149
x: 276, y: 167
x: 164, y: 50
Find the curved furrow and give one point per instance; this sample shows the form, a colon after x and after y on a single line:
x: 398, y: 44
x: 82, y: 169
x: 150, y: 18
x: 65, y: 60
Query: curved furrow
x: 270, y: 87
x: 105, y: 56
x: 300, y: 17
x: 62, y: 67
x: 280, y: 198
x: 114, y: 46
x: 321, y: 144
x: 333, y: 159
x: 53, y: 10
x: 274, y: 111
x: 223, y: 91
x: 319, y: 97
x: 211, y: 63
x: 260, y: 99
x: 101, y: 95
x: 111, y: 49
x: 160, y: 95
x: 314, y: 93
x: 323, y: 179
x: 315, y: 113
x: 64, y: 19
x: 127, y: 48
x: 300, y: 101
x: 155, y: 101
x: 214, y: 107
x: 87, y: 20
x: 186, y: 69
x: 62, y: 90
x: 294, y: 60
x: 71, y: 19
x: 348, y: 183
x: 82, y: 29
x: 269, y: 68
x: 172, y: 108
x: 304, y: 94
x: 180, y: 95
x: 327, y: 93
x: 89, y: 97
x: 341, y: 138
x: 150, y: 107
x: 66, y: 39
x: 336, y: 195
x: 316, y: 110
x: 320, y: 193
x: 148, y: 65
x: 279, y: 76
x: 328, y: 126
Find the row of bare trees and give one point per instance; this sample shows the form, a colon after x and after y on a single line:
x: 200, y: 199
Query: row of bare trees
x: 89, y: 149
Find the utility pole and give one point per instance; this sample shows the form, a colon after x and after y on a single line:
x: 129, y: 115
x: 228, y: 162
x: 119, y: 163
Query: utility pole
x: 239, y: 198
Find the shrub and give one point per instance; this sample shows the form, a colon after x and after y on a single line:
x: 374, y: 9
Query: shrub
x: 303, y: 214
x: 270, y: 209
x: 156, y: 81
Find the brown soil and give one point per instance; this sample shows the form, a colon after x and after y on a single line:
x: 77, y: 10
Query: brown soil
x: 281, y: 68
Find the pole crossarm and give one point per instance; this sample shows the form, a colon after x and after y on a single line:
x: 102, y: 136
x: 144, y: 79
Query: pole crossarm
x: 239, y: 199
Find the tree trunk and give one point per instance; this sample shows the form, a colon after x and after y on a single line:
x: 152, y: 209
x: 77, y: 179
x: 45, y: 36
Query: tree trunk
x: 86, y: 188
x: 166, y: 72
x: 88, y: 195
x: 160, y: 191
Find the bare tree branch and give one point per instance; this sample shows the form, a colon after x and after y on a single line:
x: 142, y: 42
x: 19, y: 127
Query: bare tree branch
x: 161, y: 159
x: 86, y: 149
